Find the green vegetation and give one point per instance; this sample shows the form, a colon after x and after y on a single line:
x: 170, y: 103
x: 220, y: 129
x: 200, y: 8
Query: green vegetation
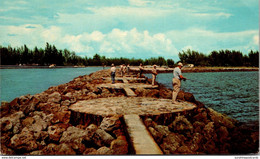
x: 220, y: 58
x: 51, y: 55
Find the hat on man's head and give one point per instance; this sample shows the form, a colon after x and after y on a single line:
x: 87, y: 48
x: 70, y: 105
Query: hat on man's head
x: 180, y: 64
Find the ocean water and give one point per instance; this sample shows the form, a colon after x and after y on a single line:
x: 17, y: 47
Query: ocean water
x: 235, y: 94
x: 18, y: 82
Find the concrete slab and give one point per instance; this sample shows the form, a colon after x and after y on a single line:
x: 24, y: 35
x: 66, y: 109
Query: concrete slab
x: 142, y: 141
x: 130, y: 105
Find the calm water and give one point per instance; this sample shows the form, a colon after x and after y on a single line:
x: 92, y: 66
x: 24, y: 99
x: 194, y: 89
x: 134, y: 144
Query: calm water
x: 18, y: 82
x: 233, y: 93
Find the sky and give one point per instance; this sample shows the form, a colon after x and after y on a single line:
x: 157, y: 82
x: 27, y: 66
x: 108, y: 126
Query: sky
x: 131, y: 28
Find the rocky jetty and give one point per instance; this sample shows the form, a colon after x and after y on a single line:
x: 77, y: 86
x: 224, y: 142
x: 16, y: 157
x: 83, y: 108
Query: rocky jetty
x: 44, y: 124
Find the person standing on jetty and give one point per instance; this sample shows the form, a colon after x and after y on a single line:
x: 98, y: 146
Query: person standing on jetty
x: 113, y: 73
x: 154, y: 74
x: 176, y: 81
x: 141, y: 68
x: 128, y: 69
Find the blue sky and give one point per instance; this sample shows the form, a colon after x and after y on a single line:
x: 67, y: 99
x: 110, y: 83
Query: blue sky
x: 131, y: 28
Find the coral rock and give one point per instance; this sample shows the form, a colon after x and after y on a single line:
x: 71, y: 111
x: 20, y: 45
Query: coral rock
x: 119, y: 147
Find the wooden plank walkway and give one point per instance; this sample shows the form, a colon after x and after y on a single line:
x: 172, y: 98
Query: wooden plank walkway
x: 142, y: 141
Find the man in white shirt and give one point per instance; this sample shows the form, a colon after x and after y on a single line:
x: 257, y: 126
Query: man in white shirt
x: 176, y: 81
x: 113, y: 73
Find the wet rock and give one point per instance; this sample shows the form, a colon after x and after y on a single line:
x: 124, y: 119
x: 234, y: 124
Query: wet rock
x: 24, y: 141
x: 54, y: 98
x: 101, y: 138
x: 119, y: 147
x: 110, y: 123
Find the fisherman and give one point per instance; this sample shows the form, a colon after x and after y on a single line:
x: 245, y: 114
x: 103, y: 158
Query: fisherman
x: 113, y: 73
x: 154, y: 74
x: 141, y: 68
x: 176, y: 81
x: 128, y: 69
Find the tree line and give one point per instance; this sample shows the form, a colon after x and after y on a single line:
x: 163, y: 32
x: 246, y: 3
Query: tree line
x: 51, y: 55
x: 220, y: 58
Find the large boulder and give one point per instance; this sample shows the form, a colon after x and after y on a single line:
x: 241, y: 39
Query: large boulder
x: 91, y: 129
x: 110, y: 123
x: 24, y: 141
x: 181, y: 124
x: 55, y: 97
x: 171, y: 143
x: 55, y: 131
x: 102, y: 138
x: 12, y: 122
x: 119, y: 146
x: 73, y: 134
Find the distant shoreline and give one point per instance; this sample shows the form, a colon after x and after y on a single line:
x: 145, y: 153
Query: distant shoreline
x: 147, y: 68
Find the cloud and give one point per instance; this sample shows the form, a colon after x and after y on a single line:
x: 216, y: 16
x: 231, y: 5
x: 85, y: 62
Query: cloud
x: 256, y: 39
x: 139, y: 2
x: 208, y: 40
